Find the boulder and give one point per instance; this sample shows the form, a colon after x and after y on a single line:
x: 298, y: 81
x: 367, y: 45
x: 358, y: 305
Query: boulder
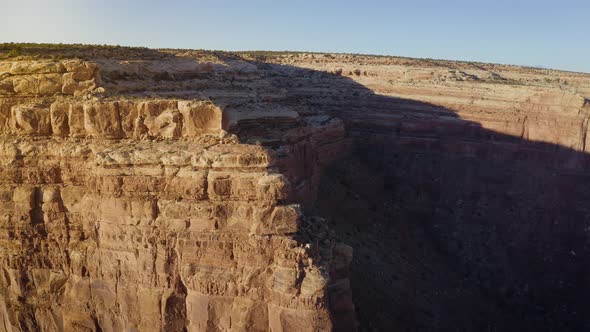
x: 31, y: 119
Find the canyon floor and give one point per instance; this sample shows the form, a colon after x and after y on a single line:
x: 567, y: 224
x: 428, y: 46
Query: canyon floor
x: 189, y: 190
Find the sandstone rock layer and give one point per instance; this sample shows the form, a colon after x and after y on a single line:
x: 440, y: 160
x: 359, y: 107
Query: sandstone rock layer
x: 160, y: 190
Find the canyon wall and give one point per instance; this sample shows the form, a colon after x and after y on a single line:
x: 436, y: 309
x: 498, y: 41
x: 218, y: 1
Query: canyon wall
x: 146, y: 214
x: 470, y: 196
x: 191, y: 190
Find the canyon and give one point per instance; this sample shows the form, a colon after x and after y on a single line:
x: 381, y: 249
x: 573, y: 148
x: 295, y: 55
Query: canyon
x: 190, y: 190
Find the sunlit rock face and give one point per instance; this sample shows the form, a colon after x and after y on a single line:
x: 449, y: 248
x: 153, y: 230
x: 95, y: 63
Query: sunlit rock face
x: 125, y: 212
x: 147, y: 190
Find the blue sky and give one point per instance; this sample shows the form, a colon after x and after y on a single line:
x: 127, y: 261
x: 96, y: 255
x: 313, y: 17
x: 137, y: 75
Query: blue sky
x: 549, y: 33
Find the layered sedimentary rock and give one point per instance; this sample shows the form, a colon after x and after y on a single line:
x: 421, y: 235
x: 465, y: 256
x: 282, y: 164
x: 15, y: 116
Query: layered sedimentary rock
x: 145, y: 214
x: 478, y: 187
x: 46, y: 78
x: 171, y: 190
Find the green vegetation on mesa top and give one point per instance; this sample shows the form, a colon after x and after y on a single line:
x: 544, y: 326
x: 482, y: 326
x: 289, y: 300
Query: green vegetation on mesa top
x: 86, y: 51
x: 90, y: 51
x: 42, y: 50
x: 53, y: 51
x: 34, y: 47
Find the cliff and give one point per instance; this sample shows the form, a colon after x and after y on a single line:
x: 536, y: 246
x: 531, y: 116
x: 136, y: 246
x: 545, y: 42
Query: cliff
x: 190, y: 190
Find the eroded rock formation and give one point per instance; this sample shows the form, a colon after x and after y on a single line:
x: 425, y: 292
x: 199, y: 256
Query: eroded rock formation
x: 185, y: 190
x: 145, y: 214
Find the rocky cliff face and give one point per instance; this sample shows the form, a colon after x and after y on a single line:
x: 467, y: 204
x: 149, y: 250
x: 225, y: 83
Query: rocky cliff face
x: 145, y: 214
x: 186, y: 190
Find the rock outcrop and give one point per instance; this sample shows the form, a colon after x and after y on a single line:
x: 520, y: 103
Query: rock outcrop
x: 146, y: 214
x: 146, y: 190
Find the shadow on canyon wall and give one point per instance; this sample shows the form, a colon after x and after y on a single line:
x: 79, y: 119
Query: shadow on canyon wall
x: 454, y: 227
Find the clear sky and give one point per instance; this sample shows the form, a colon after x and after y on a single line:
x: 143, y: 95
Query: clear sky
x: 548, y: 33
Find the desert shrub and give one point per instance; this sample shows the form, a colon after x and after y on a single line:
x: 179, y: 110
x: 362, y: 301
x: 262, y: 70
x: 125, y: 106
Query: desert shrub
x: 14, y: 52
